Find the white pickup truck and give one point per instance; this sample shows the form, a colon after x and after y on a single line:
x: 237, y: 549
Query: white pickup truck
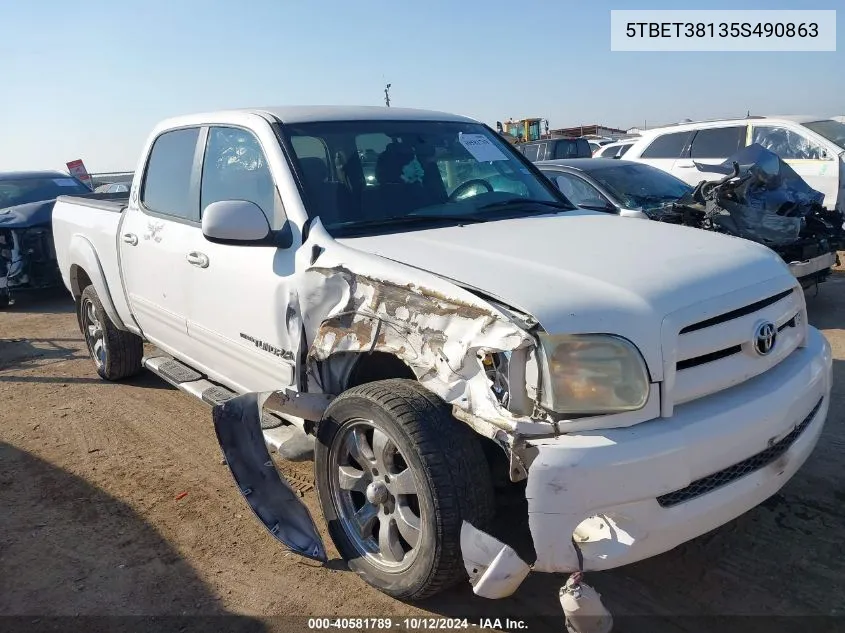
x: 489, y: 379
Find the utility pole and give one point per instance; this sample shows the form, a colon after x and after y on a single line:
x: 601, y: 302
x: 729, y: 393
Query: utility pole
x: 387, y: 95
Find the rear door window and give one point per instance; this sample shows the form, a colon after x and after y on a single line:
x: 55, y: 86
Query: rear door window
x: 169, y: 188
x: 667, y: 145
x: 718, y: 142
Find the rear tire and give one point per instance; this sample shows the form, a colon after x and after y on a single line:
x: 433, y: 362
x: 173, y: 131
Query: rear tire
x: 427, y: 471
x: 116, y: 353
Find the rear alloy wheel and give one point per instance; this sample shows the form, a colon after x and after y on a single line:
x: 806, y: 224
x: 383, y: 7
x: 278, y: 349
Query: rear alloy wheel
x: 397, y: 475
x: 92, y: 329
x: 116, y: 353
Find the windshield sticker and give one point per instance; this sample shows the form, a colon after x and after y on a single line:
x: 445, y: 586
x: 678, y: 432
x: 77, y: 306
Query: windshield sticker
x: 480, y: 147
x: 65, y: 182
x: 413, y: 172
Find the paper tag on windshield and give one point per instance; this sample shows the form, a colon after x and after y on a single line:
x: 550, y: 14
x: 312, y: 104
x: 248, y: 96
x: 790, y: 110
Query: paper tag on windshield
x: 65, y: 182
x: 481, y: 148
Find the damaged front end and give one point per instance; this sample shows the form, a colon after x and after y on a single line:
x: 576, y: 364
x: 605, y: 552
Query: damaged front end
x: 27, y: 254
x: 492, y: 363
x: 460, y: 348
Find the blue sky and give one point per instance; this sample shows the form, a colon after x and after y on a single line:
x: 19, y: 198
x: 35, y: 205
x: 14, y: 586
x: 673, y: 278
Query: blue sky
x: 88, y: 79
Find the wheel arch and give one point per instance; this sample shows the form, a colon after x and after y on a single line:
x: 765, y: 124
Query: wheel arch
x: 85, y: 270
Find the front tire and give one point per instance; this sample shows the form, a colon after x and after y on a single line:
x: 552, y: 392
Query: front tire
x: 116, y: 353
x: 396, y: 476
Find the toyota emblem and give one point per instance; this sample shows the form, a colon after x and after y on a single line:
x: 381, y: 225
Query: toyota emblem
x: 764, y: 338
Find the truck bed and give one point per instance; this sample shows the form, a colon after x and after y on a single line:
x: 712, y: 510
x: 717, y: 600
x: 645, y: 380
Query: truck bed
x: 88, y: 226
x: 115, y: 202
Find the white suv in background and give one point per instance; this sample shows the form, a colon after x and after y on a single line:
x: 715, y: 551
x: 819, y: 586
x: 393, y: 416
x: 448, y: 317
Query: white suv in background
x: 813, y: 146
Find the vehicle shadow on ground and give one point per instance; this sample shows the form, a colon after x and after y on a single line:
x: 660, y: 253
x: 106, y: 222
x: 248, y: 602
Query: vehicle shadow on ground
x: 52, y: 301
x: 826, y: 307
x: 68, y: 548
x: 22, y: 352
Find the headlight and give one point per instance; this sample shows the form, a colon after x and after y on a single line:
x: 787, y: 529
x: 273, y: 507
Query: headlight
x: 591, y: 374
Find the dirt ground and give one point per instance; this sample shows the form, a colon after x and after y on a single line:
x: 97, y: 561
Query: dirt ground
x: 114, y: 501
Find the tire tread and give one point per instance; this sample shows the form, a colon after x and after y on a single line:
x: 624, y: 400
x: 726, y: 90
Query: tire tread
x: 125, y: 350
x: 455, y: 465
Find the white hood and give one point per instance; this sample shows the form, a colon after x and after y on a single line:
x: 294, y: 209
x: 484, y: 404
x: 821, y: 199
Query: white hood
x: 583, y: 271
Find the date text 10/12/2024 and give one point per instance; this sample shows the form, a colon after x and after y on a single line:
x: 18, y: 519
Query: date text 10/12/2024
x: 414, y: 624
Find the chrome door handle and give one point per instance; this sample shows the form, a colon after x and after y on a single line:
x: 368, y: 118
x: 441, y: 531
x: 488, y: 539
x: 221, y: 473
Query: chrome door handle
x: 130, y: 238
x: 198, y: 259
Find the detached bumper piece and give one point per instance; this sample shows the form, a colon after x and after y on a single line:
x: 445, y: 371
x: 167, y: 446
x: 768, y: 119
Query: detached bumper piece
x: 237, y: 423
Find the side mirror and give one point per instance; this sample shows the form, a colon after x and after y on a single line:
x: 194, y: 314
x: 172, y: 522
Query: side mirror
x: 235, y: 222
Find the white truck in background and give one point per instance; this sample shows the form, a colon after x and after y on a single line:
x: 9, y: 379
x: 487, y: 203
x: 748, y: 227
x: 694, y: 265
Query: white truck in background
x: 449, y: 336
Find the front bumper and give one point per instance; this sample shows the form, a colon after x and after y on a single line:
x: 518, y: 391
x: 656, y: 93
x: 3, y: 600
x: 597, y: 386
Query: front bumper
x: 607, y: 483
x: 812, y: 266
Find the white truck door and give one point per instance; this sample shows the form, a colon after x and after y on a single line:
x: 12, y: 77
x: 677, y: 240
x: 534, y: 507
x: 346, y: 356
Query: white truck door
x: 153, y: 236
x: 709, y: 146
x: 817, y: 165
x: 238, y: 318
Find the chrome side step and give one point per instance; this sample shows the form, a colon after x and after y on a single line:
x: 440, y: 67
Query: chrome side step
x: 187, y: 379
x: 282, y: 433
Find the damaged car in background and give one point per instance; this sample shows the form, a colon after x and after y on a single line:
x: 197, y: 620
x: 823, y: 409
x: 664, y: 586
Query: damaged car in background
x: 27, y: 256
x: 760, y: 198
x: 489, y: 380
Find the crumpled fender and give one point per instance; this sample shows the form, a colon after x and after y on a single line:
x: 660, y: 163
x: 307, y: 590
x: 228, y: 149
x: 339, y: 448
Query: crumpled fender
x: 237, y: 423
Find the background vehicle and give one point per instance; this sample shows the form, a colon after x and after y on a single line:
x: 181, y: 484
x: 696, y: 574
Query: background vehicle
x: 27, y: 256
x: 813, y: 146
x: 597, y: 144
x: 614, y: 186
x: 616, y: 149
x: 431, y: 334
x: 555, y: 148
x: 114, y: 187
x: 523, y: 130
x: 641, y: 191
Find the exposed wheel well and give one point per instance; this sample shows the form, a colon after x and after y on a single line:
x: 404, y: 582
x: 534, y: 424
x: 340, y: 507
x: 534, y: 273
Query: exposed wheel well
x: 377, y: 366
x: 79, y: 280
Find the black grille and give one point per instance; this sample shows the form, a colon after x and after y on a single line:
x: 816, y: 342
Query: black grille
x: 735, y: 314
x: 722, y: 353
x: 708, y: 358
x: 732, y: 473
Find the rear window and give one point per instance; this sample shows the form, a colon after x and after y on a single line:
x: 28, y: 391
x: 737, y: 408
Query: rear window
x: 167, y: 184
x: 667, y: 145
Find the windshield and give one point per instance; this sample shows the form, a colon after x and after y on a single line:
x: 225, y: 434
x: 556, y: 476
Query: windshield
x: 833, y: 131
x: 25, y: 190
x: 640, y: 186
x: 358, y: 173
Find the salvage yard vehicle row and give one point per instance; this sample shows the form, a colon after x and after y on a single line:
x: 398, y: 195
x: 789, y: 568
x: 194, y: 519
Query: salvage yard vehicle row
x: 409, y: 290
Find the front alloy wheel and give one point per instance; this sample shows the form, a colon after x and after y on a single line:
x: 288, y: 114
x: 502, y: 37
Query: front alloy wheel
x: 397, y: 476
x: 376, y: 496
